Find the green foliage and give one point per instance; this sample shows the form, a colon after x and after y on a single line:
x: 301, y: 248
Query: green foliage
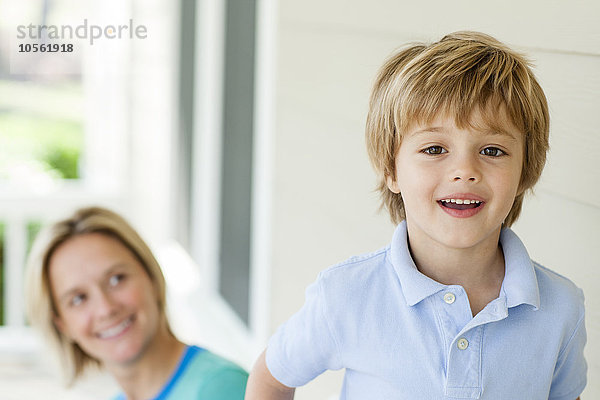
x: 63, y: 160
x: 50, y: 144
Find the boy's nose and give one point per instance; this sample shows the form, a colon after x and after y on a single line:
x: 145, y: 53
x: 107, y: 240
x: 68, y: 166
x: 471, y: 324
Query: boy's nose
x: 460, y: 178
x: 466, y: 170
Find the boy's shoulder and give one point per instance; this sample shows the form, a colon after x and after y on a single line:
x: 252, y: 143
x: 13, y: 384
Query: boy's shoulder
x: 557, y: 291
x: 358, y: 276
x: 361, y: 264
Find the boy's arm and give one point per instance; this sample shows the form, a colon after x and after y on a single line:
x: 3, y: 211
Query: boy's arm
x: 263, y: 386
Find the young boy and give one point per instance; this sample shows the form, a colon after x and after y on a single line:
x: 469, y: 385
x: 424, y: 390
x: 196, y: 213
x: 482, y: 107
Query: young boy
x: 453, y: 308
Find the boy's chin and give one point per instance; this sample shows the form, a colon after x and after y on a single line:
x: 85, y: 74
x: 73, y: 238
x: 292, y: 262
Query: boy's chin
x: 469, y: 238
x: 452, y: 236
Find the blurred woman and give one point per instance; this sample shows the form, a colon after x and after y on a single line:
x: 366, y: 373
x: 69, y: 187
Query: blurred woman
x: 97, y: 293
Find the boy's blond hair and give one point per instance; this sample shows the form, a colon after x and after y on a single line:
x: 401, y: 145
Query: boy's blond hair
x: 462, y: 73
x: 41, y: 308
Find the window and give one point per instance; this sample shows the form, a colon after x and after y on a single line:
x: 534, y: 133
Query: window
x: 60, y: 133
x: 222, y: 157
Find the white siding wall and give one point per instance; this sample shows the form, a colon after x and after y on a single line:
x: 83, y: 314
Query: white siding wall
x: 324, y: 207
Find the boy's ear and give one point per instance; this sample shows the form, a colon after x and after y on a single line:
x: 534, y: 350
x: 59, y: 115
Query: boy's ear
x: 392, y: 184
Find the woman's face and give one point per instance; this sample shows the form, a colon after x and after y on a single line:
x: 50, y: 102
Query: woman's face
x: 105, y: 300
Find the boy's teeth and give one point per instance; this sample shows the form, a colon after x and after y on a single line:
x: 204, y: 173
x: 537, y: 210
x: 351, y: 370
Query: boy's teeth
x: 461, y: 201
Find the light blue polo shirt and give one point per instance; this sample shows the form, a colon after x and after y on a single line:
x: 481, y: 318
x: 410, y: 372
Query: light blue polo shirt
x: 402, y: 335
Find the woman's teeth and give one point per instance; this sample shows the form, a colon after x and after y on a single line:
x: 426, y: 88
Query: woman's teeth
x: 115, y: 330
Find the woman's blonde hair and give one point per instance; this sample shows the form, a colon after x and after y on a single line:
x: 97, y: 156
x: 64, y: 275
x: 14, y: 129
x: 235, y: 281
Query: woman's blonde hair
x: 40, y: 306
x: 462, y: 73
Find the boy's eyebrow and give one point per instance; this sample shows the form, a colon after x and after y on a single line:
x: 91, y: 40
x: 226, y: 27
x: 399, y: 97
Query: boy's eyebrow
x: 430, y: 129
x: 496, y: 131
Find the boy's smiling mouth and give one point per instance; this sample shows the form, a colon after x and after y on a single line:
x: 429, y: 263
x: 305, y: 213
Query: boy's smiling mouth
x: 461, y: 205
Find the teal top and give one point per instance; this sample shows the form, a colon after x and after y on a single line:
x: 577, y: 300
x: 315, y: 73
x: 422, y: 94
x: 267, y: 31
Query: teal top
x: 202, y: 375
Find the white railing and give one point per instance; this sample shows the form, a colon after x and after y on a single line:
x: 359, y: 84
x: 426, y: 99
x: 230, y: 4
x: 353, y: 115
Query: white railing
x: 15, y: 244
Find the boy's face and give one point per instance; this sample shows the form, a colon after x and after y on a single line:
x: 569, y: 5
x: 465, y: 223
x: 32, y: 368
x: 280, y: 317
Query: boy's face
x: 458, y: 185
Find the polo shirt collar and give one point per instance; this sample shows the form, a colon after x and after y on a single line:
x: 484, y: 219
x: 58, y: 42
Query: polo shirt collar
x: 519, y: 285
x: 415, y: 285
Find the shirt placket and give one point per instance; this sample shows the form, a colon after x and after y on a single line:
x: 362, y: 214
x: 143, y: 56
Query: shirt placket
x: 464, y: 365
x: 463, y: 337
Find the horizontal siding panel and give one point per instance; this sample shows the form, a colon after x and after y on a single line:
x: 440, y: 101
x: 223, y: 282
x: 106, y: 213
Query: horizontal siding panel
x: 572, y: 85
x: 558, y: 25
x: 330, y: 73
x: 323, y: 201
x: 323, y: 181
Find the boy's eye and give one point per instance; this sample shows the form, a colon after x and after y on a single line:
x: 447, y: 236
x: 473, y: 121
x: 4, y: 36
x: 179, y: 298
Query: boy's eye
x: 433, y: 150
x: 492, y: 152
x: 116, y: 279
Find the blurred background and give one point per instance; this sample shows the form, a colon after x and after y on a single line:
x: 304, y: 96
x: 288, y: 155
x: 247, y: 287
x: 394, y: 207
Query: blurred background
x: 232, y: 138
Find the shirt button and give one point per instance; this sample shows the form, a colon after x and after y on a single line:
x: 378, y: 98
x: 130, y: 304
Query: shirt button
x: 449, y: 298
x: 462, y: 344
